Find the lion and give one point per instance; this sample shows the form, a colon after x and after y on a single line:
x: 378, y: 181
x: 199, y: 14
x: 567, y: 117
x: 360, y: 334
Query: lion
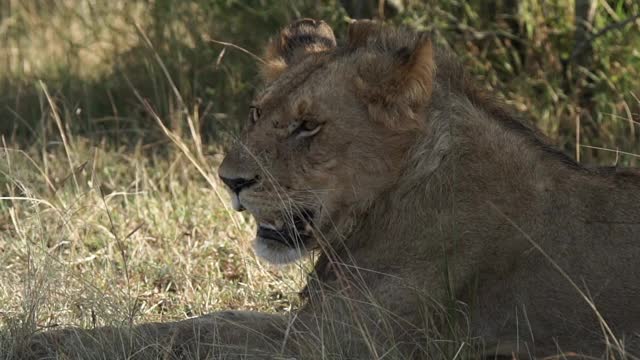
x: 431, y: 206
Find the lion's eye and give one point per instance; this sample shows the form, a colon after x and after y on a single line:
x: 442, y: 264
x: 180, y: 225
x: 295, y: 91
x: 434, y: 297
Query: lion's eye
x: 305, y: 128
x: 254, y: 114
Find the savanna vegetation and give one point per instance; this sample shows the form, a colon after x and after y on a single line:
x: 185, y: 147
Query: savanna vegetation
x: 115, y: 114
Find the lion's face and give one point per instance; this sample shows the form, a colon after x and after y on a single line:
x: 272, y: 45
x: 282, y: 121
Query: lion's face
x: 311, y: 157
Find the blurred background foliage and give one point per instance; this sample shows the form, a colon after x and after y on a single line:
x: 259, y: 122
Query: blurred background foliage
x: 571, y: 65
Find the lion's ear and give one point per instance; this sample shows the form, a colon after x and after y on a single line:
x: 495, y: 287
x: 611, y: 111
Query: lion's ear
x: 294, y: 43
x: 362, y: 30
x: 399, y: 83
x: 416, y: 70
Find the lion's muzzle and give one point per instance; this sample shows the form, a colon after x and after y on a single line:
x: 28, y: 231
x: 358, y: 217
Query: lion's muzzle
x: 293, y: 233
x: 236, y: 185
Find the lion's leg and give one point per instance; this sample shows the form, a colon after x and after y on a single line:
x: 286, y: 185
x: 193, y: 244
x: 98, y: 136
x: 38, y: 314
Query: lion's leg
x: 224, y: 335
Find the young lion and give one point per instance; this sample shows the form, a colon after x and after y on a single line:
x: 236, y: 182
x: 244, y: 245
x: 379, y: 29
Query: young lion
x: 426, y: 199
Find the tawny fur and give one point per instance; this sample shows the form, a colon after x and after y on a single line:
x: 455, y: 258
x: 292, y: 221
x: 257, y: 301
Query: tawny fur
x: 427, y: 194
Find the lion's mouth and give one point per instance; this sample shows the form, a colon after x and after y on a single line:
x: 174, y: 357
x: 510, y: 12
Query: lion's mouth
x: 293, y: 234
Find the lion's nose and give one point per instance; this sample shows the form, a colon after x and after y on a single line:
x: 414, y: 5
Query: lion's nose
x: 237, y: 184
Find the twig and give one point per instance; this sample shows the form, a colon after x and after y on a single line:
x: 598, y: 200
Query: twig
x: 123, y: 253
x: 256, y: 57
x: 617, y: 25
x: 610, y: 150
x: 58, y: 121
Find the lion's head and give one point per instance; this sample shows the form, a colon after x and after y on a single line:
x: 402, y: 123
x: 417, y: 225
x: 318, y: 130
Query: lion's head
x: 329, y: 132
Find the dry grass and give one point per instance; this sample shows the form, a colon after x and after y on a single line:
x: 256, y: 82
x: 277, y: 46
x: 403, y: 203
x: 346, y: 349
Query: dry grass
x: 123, y: 238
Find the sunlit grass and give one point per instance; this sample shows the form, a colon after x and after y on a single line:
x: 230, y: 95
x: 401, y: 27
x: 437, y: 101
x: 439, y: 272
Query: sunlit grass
x: 142, y: 237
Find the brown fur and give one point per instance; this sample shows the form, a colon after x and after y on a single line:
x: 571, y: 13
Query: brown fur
x: 294, y: 42
x: 426, y: 193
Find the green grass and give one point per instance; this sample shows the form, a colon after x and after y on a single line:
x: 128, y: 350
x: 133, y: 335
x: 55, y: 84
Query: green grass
x: 104, y: 220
